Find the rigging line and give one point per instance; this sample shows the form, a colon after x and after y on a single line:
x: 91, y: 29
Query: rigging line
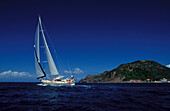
x: 47, y: 77
x: 43, y: 59
x: 42, y: 46
x: 56, y: 54
x: 70, y: 69
x: 57, y: 57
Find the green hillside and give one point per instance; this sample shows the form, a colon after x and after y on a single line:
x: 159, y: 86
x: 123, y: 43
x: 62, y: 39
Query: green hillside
x: 142, y: 69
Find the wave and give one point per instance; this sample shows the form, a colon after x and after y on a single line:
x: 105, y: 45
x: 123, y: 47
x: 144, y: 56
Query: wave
x: 41, y: 84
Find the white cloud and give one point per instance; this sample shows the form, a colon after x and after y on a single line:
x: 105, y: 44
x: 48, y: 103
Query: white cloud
x: 65, y: 71
x: 75, y: 71
x: 168, y: 65
x: 11, y: 73
x: 78, y: 71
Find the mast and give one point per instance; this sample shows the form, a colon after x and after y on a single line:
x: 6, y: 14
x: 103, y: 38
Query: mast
x: 52, y: 67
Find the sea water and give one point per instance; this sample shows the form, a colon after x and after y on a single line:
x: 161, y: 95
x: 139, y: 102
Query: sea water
x: 85, y: 97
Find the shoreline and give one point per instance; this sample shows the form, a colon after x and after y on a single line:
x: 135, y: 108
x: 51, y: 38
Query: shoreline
x: 133, y: 82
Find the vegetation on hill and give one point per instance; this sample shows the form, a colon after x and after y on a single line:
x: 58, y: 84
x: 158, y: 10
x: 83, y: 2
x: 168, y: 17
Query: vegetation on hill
x: 142, y: 69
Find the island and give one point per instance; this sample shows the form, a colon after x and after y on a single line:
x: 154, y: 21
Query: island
x: 138, y: 71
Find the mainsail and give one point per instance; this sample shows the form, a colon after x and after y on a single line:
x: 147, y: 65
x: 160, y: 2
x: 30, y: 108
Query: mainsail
x: 52, y: 67
x: 39, y: 70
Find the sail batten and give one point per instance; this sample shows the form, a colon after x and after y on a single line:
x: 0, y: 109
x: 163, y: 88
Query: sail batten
x: 52, y: 67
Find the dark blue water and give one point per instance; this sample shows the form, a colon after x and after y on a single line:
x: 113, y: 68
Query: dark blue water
x: 84, y: 97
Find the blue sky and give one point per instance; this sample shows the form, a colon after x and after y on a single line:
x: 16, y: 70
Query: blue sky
x: 91, y: 35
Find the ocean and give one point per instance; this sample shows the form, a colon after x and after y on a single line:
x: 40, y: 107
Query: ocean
x: 85, y: 97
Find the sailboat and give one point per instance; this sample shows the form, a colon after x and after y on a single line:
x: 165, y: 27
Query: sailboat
x: 40, y: 72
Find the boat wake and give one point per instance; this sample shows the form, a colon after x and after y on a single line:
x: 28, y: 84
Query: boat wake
x: 56, y: 85
x: 42, y: 84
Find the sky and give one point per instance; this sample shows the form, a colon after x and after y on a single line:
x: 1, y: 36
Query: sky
x: 91, y: 35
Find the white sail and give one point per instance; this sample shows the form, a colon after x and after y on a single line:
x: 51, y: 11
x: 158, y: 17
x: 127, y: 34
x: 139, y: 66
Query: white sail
x: 51, y: 64
x: 39, y: 71
x: 37, y: 45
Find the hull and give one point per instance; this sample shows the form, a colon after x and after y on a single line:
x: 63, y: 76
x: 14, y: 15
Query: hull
x: 48, y: 82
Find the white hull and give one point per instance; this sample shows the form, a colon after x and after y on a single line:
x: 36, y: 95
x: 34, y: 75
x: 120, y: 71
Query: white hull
x: 57, y: 82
